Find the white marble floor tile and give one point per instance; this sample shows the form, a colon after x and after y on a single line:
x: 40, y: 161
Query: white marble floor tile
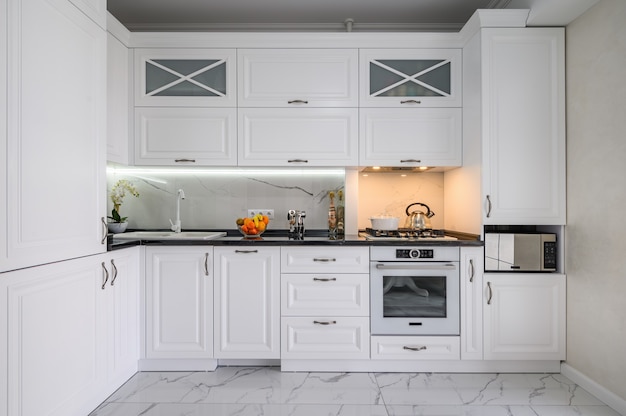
x: 574, y: 411
x: 418, y: 410
x: 336, y: 388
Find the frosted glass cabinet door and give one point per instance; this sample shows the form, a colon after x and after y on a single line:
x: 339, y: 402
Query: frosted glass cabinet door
x: 410, y: 77
x: 185, y: 77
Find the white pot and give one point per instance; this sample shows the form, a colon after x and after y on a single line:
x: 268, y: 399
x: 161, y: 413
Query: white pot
x: 384, y: 223
x: 117, y: 227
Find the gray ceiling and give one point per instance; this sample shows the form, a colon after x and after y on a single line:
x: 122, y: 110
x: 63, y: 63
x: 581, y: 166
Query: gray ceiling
x: 447, y: 15
x: 328, y: 15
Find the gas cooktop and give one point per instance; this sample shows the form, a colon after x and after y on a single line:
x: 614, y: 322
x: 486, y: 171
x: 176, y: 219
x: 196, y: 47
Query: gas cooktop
x: 405, y: 234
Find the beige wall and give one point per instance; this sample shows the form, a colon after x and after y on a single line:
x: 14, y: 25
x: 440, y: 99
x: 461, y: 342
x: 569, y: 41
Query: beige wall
x: 596, y: 228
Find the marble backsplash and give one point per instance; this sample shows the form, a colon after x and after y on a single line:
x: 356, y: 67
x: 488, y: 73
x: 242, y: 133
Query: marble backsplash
x: 215, y: 198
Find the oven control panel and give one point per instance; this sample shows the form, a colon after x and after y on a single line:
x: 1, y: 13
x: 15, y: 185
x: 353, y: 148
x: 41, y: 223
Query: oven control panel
x: 413, y: 253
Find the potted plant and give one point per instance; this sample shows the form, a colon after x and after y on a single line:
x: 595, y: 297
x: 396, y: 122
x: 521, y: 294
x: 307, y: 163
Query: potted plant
x: 117, y: 223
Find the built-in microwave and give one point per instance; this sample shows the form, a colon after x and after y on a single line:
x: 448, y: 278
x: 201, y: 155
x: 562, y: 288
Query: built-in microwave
x: 520, y: 252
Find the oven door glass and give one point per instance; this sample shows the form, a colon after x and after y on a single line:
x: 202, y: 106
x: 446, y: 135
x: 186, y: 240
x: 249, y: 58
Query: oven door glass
x: 414, y: 297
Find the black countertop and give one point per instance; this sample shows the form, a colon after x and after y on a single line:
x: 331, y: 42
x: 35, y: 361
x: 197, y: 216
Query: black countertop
x: 311, y: 238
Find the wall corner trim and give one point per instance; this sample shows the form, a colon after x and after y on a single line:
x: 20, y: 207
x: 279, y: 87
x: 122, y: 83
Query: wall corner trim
x: 611, y: 399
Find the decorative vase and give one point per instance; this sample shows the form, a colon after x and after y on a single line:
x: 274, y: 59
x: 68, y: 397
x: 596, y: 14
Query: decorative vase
x: 117, y: 227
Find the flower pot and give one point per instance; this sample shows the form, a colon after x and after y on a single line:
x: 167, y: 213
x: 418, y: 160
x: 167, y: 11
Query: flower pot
x: 117, y: 227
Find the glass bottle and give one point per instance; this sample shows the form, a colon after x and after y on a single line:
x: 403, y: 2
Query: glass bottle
x: 332, y: 215
x: 341, y: 210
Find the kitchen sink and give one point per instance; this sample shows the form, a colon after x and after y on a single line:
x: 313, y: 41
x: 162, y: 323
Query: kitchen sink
x: 169, y: 235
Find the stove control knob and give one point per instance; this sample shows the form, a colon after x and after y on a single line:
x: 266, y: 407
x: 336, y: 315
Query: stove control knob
x: 415, y: 254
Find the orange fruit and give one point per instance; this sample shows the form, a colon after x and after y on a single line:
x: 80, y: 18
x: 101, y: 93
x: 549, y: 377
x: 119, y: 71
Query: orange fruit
x: 265, y: 219
x: 261, y: 227
x: 252, y: 231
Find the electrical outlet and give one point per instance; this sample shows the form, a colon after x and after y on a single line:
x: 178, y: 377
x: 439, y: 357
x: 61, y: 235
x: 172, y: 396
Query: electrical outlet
x: 268, y: 212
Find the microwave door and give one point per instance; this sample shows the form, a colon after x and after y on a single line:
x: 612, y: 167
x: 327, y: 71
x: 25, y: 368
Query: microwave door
x: 526, y: 253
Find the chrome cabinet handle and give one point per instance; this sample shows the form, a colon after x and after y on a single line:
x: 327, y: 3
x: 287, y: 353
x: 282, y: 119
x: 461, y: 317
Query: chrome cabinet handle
x: 410, y: 161
x: 488, y: 206
x: 471, y: 270
x: 206, y: 264
x: 324, y: 279
x: 297, y: 161
x: 416, y: 266
x: 297, y: 102
x: 416, y: 348
x: 490, y: 293
x: 114, y: 268
x: 185, y: 160
x: 324, y: 322
x: 246, y: 251
x: 324, y: 260
x: 410, y: 102
x: 105, y: 229
x: 105, y: 275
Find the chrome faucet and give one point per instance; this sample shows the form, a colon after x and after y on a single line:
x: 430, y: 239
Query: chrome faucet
x: 176, y: 227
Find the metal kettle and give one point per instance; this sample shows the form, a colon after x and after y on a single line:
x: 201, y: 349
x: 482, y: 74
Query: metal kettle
x: 419, y: 220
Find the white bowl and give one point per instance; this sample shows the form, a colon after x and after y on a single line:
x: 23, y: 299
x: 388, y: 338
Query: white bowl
x: 384, y: 223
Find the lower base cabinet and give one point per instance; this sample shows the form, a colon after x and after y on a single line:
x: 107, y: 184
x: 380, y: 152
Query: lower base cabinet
x: 247, y: 302
x: 179, y: 303
x: 524, y: 316
x: 72, y: 333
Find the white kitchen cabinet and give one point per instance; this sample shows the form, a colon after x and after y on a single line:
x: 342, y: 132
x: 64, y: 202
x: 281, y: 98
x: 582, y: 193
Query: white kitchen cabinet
x: 324, y: 294
x: 317, y: 259
x: 524, y: 316
x: 410, y: 137
x: 325, y: 303
x: 325, y: 337
x: 523, y: 130
x: 171, y: 136
x: 72, y: 333
x: 179, y: 302
x: 55, y: 134
x: 118, y: 100
x: 298, y: 77
x: 415, y: 348
x: 298, y: 137
x: 95, y: 9
x: 247, y: 302
x: 410, y: 77
x: 185, y: 77
x: 472, y: 259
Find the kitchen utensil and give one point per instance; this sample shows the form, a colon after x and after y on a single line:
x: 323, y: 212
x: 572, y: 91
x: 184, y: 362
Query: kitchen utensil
x: 384, y: 222
x: 419, y: 220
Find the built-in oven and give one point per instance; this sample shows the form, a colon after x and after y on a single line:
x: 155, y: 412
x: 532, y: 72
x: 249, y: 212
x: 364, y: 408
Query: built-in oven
x: 414, y: 290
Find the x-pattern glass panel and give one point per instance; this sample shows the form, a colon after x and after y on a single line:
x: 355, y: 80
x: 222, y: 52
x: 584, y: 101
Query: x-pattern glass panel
x: 185, y: 77
x: 410, y: 78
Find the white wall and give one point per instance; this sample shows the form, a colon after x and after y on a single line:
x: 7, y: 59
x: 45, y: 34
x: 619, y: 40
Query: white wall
x: 596, y: 227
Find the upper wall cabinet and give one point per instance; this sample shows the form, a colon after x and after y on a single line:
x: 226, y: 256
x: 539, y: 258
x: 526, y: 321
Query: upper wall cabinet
x: 523, y: 111
x: 410, y: 78
x: 298, y: 77
x: 185, y: 77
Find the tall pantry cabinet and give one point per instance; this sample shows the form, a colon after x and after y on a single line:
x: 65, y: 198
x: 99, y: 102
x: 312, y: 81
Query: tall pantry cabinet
x: 55, y: 356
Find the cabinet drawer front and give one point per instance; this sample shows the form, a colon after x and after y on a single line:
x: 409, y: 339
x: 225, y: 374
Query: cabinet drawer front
x: 325, y: 294
x: 410, y: 137
x: 325, y: 337
x: 298, y: 136
x: 416, y: 348
x: 185, y: 136
x: 298, y: 77
x: 325, y: 260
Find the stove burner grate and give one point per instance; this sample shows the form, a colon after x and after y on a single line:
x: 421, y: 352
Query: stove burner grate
x: 406, y: 233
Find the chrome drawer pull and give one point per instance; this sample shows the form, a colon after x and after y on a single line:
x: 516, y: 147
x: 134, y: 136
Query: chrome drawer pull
x: 471, y: 270
x: 297, y: 161
x: 297, y: 102
x: 410, y: 102
x: 114, y: 272
x: 106, y: 275
x: 417, y: 348
x: 323, y: 260
x: 206, y: 264
x: 325, y: 279
x: 185, y: 160
x: 245, y: 251
x: 324, y: 322
x: 410, y: 161
x: 105, y: 230
x: 490, y: 293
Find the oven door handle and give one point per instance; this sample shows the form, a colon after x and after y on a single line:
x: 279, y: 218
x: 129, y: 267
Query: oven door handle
x: 420, y: 266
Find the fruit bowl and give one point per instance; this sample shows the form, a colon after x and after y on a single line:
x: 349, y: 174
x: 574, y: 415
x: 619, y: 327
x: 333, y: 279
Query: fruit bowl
x: 252, y: 227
